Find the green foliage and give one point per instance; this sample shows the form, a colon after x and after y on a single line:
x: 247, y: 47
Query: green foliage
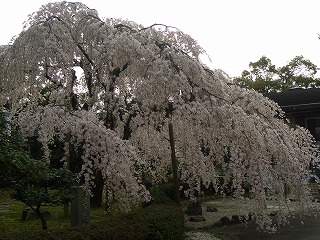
x: 159, y: 196
x: 163, y: 193
x: 168, y: 189
x: 34, y: 182
x: 299, y: 72
x: 264, y: 77
x: 165, y: 221
x: 13, y: 227
x: 261, y: 76
x: 15, y: 160
x: 49, y: 187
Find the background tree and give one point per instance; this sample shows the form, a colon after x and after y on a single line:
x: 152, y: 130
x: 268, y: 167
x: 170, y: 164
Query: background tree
x: 14, y: 157
x: 44, y: 187
x: 299, y: 72
x: 264, y: 77
x: 106, y: 85
x: 33, y: 181
x: 261, y: 77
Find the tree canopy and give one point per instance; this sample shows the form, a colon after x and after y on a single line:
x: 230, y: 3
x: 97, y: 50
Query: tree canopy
x: 112, y: 86
x: 264, y: 77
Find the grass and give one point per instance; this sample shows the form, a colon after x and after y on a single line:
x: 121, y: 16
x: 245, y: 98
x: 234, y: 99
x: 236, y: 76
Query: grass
x: 156, y: 221
x: 11, y: 216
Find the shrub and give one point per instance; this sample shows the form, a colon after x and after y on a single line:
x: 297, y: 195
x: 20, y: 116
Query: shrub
x: 165, y: 221
x: 168, y: 189
x: 165, y: 193
x: 159, y: 196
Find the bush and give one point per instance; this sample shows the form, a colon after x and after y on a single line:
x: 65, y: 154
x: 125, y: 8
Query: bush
x: 165, y: 193
x: 168, y: 189
x: 165, y: 221
x: 159, y: 196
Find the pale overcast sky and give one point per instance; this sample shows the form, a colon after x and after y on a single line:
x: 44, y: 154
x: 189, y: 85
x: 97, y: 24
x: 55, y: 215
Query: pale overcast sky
x: 233, y: 32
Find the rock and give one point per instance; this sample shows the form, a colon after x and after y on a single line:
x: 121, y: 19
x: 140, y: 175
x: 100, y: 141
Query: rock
x: 197, y: 219
x: 235, y: 219
x: 225, y: 220
x: 211, y: 208
x: 194, y: 208
x: 274, y: 213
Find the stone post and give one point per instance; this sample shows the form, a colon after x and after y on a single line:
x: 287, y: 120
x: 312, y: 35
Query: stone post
x: 80, y: 206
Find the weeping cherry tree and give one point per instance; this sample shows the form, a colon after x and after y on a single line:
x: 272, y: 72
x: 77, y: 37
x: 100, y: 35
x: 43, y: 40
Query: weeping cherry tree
x: 113, y: 87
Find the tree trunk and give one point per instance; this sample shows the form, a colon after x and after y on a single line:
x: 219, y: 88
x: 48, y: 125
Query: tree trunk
x: 174, y: 166
x: 43, y: 220
x: 68, y: 161
x: 107, y: 203
x: 97, y: 190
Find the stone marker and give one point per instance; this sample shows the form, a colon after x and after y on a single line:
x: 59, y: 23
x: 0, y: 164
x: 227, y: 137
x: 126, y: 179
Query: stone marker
x: 194, y: 208
x: 24, y: 214
x: 80, y: 206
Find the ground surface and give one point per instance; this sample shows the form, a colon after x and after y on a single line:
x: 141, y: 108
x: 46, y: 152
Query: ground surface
x: 310, y: 230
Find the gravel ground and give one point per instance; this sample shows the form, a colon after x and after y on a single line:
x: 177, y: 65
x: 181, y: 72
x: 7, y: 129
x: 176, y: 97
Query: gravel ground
x: 200, y: 236
x: 226, y: 207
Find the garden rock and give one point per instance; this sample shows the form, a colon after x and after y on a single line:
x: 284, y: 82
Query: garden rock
x: 225, y: 220
x: 211, y: 208
x: 274, y: 213
x: 235, y: 219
